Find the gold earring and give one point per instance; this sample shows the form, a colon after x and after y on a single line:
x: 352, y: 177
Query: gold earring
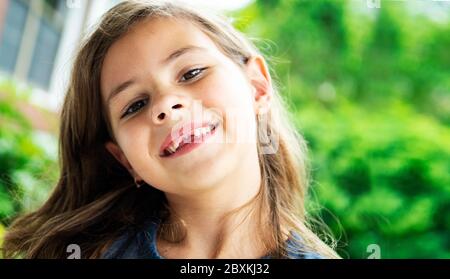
x: 261, y: 110
x: 138, y: 183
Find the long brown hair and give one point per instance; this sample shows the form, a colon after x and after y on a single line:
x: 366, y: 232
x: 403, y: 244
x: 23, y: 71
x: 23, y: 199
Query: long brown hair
x: 95, y: 199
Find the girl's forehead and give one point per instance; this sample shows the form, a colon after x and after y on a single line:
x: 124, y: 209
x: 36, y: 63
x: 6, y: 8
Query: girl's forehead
x: 162, y: 35
x: 153, y: 40
x: 148, y: 44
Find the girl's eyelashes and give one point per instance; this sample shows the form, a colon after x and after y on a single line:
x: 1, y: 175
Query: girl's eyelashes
x: 192, y: 74
x: 135, y: 107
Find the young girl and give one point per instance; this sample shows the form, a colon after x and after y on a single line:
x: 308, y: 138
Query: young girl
x: 174, y: 144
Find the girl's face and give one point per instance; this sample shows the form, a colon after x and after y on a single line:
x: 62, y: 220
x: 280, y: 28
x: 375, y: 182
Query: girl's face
x: 164, y: 75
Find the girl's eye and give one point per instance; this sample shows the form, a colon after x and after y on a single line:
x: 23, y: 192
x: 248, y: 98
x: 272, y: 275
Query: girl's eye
x: 192, y: 74
x: 135, y: 107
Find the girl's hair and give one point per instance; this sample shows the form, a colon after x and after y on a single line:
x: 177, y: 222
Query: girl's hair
x: 95, y: 199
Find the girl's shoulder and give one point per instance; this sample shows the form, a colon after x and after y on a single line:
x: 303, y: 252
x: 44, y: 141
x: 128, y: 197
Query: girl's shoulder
x: 139, y: 243
x: 135, y: 243
x: 295, y: 247
x: 307, y: 255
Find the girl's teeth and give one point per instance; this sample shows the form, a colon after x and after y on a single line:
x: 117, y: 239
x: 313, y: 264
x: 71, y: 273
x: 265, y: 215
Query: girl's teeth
x: 198, y: 133
x: 171, y: 149
x: 201, y: 132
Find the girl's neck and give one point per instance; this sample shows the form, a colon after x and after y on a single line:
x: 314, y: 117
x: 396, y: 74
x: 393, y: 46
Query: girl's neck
x: 213, y: 216
x: 239, y: 236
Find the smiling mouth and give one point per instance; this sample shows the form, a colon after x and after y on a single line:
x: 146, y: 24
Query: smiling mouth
x: 188, y: 142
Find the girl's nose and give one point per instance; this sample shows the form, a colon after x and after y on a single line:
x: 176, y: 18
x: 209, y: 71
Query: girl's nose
x: 166, y: 108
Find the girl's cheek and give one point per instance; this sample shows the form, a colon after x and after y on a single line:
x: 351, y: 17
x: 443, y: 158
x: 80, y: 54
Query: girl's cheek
x: 222, y: 92
x: 131, y: 137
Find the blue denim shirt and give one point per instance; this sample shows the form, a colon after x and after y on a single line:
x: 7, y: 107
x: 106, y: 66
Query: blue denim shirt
x: 142, y: 245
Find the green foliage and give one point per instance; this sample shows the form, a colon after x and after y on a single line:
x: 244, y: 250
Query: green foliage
x: 27, y: 171
x: 385, y: 176
x: 370, y: 91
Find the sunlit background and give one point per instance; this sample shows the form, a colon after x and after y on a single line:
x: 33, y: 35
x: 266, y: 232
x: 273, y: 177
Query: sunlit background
x: 367, y: 82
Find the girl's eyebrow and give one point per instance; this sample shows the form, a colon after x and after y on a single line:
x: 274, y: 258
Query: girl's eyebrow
x: 121, y: 87
x: 181, y: 51
x: 177, y: 53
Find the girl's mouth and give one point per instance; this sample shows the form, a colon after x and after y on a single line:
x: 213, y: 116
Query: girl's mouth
x: 188, y: 142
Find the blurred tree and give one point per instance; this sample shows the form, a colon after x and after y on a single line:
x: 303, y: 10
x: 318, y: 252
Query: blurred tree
x: 27, y: 171
x: 370, y: 91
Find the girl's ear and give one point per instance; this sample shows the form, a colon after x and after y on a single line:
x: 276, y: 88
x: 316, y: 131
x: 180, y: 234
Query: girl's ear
x: 115, y: 150
x: 261, y: 83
